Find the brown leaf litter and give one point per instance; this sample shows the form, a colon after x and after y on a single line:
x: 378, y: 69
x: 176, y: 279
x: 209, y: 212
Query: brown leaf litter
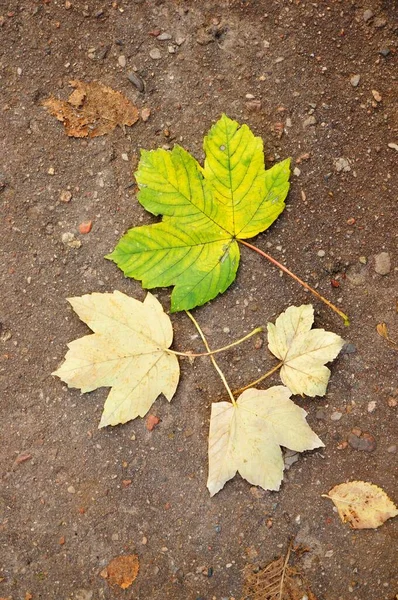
x: 275, y: 581
x: 92, y: 109
x: 122, y: 571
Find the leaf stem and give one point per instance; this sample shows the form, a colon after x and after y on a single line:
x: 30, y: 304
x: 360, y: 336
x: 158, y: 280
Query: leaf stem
x: 213, y: 360
x: 192, y: 355
x: 300, y: 281
x: 268, y: 374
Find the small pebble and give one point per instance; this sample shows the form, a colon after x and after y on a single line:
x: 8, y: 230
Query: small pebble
x: 355, y: 79
x: 367, y: 15
x: 311, y: 121
x: 329, y: 553
x: 145, y: 114
x: 258, y: 343
x: 19, y: 71
x: 363, y: 260
x: 125, y: 157
x: 392, y: 449
x: 342, y: 164
x: 217, y: 528
x: 296, y: 171
x: 320, y: 414
x: 392, y: 402
x: 382, y: 263
x: 68, y: 238
x: 226, y: 330
x: 362, y: 441
x: 321, y: 253
x: 71, y: 490
x: 85, y: 227
x: 179, y: 40
x: 65, y: 196
x: 385, y: 52
x: 371, y: 406
x: 379, y: 22
x: 155, y: 53
x: 392, y: 145
x: 171, y: 49
x: 51, y: 171
x: 376, y: 95
x: 137, y: 81
x: 336, y: 416
x: 122, y: 61
x: 164, y: 36
x: 349, y: 348
x: 253, y: 105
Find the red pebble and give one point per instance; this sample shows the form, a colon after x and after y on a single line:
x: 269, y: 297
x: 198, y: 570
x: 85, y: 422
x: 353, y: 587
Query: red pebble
x: 85, y: 227
x: 151, y: 422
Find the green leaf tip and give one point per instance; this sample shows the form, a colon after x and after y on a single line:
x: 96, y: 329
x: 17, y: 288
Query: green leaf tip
x: 205, y: 211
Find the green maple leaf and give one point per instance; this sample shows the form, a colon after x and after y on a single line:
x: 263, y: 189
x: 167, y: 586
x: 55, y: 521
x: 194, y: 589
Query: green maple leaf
x: 205, y: 212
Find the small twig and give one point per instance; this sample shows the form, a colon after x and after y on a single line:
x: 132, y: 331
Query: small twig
x: 213, y: 360
x: 192, y: 355
x: 300, y: 281
x: 268, y: 374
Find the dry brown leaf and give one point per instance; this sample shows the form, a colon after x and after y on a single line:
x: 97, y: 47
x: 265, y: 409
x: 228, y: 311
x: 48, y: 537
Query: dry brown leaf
x: 276, y: 581
x: 92, y: 109
x: 362, y: 504
x: 122, y: 571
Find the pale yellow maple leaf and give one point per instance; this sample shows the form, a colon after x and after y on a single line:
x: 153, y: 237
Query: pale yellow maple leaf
x: 362, y: 504
x: 127, y: 352
x: 246, y: 437
x: 303, y: 351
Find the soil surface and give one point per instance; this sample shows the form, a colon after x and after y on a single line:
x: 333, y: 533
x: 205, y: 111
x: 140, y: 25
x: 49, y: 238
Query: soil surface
x: 73, y: 497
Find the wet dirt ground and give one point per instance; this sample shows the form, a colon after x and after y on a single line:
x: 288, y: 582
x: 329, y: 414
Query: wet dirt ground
x: 73, y: 497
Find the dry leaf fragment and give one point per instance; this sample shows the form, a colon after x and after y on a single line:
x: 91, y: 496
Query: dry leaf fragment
x: 382, y: 330
x: 127, y: 352
x: 21, y: 458
x: 92, y: 109
x: 122, y: 571
x: 362, y: 504
x: 303, y: 351
x: 276, y: 581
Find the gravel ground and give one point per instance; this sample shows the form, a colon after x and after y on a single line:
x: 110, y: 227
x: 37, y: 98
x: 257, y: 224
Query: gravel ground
x: 318, y: 82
